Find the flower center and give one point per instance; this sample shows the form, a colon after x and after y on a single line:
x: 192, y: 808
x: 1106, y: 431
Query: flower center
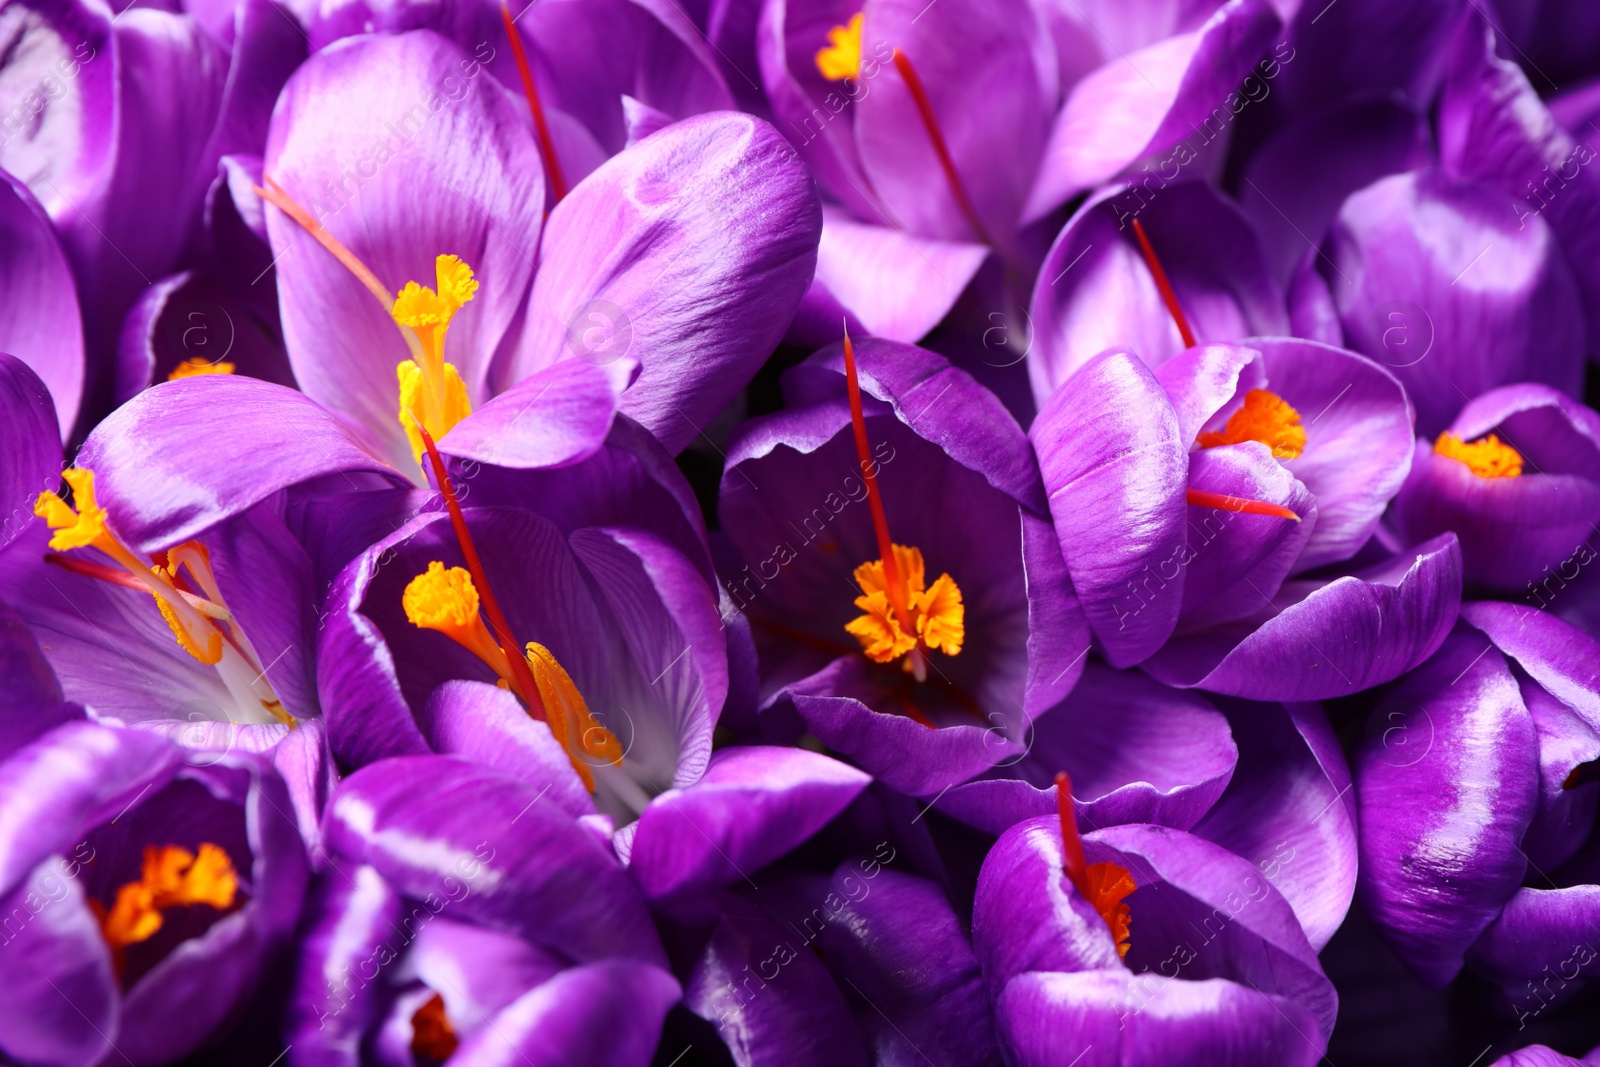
x: 1265, y: 418
x: 841, y: 58
x: 447, y: 600
x: 902, y: 617
x: 432, y: 393
x: 1103, y: 884
x: 432, y: 1036
x: 172, y: 877
x: 184, y: 588
x: 1201, y: 498
x: 194, y: 367
x: 1487, y: 458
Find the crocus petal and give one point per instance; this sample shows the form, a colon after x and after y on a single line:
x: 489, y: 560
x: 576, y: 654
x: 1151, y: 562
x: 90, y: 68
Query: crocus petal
x: 1453, y: 293
x: 160, y: 477
x: 609, y: 1012
x: 74, y: 777
x: 30, y: 445
x: 986, y: 69
x: 797, y: 1017
x: 1493, y: 128
x: 265, y: 576
x: 1259, y: 941
x: 837, y: 706
x: 1399, y: 54
x: 1111, y: 1018
x: 1137, y: 751
x: 31, y: 702
x: 1027, y: 916
x: 1540, y: 934
x: 1100, y: 293
x: 1563, y: 659
x: 1111, y: 458
x: 1294, y: 183
x: 895, y: 284
x: 752, y: 806
x: 489, y: 725
x: 526, y: 867
x: 668, y: 622
x: 1289, y: 810
x: 689, y: 251
x: 787, y: 40
x: 1331, y: 638
x: 39, y: 322
x: 554, y: 417
x: 340, y: 121
x: 899, y: 946
x: 1446, y: 782
x: 1148, y: 101
x: 1358, y: 439
x: 1565, y: 817
x: 62, y: 1002
x: 351, y: 917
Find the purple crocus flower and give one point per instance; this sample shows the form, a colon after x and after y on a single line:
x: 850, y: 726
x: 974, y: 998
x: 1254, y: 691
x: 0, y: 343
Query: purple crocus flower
x: 476, y: 921
x: 1517, y: 478
x: 688, y: 251
x: 585, y: 542
x: 146, y: 890
x: 1233, y: 477
x: 1477, y: 803
x: 117, y: 128
x: 938, y: 133
x: 1267, y: 782
x: 930, y: 679
x: 222, y: 626
x: 1544, y: 1056
x: 1138, y: 942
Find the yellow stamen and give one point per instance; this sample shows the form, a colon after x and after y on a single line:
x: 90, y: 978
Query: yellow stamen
x: 937, y: 614
x: 1265, y: 418
x: 73, y: 529
x: 195, y: 620
x: 432, y: 390
x: 842, y: 57
x: 171, y: 877
x: 445, y: 599
x: 195, y: 367
x: 210, y: 655
x: 1487, y: 458
x: 578, y: 731
x: 415, y: 396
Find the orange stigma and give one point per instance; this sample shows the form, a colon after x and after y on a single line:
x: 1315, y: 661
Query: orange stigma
x: 547, y: 146
x: 433, y: 1039
x: 1488, y: 457
x: 171, y: 877
x: 1103, y: 885
x: 903, y: 616
x: 1168, y: 297
x: 930, y: 122
x: 1265, y: 418
x: 1242, y: 504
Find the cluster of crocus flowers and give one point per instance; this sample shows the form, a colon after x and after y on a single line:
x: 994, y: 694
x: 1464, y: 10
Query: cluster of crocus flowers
x: 817, y: 533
